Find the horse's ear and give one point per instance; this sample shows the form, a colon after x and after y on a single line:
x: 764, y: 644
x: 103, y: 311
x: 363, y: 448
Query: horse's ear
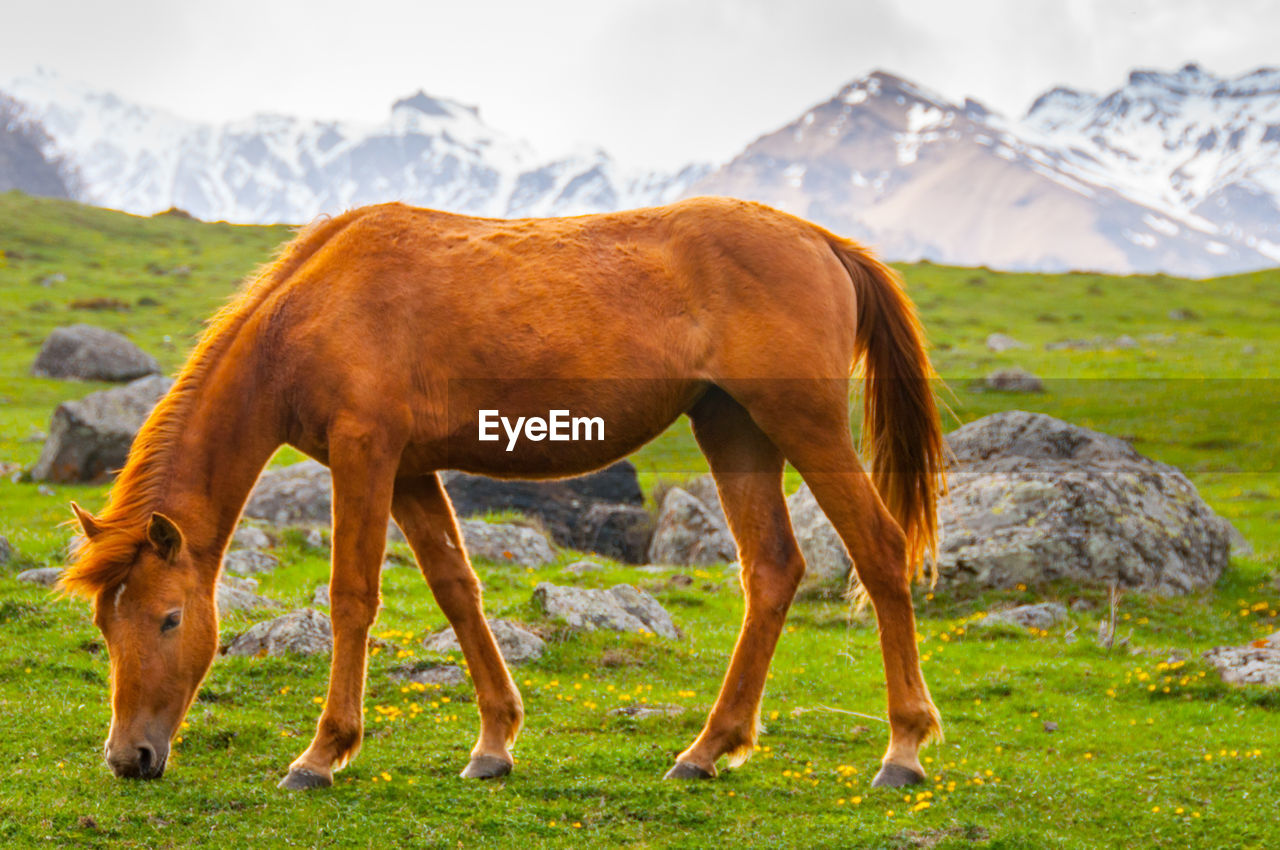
x: 165, y: 536
x: 87, y: 522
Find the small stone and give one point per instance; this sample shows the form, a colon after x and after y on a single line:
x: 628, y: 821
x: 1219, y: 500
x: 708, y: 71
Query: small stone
x: 6, y: 551
x: 1257, y: 663
x: 1014, y: 381
x: 1003, y: 342
x: 47, y: 576
x: 251, y: 537
x: 248, y: 562
x: 1042, y: 615
x: 578, y: 568
x: 1050, y: 726
x: 305, y: 632
x: 640, y: 711
x: 236, y: 597
x: 1081, y: 605
x: 439, y: 674
x: 505, y: 543
x: 320, y: 597
x: 516, y: 643
x: 621, y: 608
x: 314, y: 538
x: 45, y: 490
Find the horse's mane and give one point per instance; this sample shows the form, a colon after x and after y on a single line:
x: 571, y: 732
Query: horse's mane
x: 104, y: 561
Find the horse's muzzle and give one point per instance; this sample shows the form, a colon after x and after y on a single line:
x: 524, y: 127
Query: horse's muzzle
x: 139, y: 761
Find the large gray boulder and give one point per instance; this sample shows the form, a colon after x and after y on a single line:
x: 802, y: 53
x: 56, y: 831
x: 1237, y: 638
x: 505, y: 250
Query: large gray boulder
x: 305, y: 632
x: 516, y: 643
x: 1033, y: 498
x: 89, y: 438
x: 827, y: 564
x: 621, y: 608
x: 689, y: 533
x: 1041, y: 615
x: 89, y: 353
x: 506, y: 543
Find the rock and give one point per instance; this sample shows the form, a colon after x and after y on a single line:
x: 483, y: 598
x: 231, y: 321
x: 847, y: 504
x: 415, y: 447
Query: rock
x: 1183, y: 315
x: 249, y: 585
x: 89, y: 438
x: 233, y: 595
x: 621, y: 532
x: 251, y: 537
x: 1255, y: 664
x: 688, y: 533
x: 1003, y: 342
x: 6, y: 551
x: 621, y: 608
x: 517, y: 644
x: 320, y: 597
x: 561, y: 505
x: 1051, y: 726
x: 89, y: 353
x: 703, y: 488
x: 247, y: 562
x: 827, y: 564
x: 506, y: 543
x: 1042, y: 615
x: 1240, y: 547
x: 1033, y: 499
x: 1014, y: 381
x: 1125, y: 341
x: 578, y: 568
x: 305, y: 632
x: 47, y: 576
x: 442, y: 675
x: 314, y: 538
x: 640, y: 711
x: 299, y: 493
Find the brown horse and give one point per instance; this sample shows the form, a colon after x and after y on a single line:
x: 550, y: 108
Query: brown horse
x: 375, y: 339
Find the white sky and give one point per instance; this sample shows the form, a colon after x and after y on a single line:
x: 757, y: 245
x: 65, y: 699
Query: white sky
x: 657, y: 82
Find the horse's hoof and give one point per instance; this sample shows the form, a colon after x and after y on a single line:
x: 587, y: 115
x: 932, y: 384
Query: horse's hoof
x: 301, y: 779
x: 688, y: 770
x: 486, y: 767
x: 896, y: 776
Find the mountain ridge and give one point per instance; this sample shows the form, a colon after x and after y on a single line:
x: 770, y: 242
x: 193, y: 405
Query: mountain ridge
x: 1175, y: 171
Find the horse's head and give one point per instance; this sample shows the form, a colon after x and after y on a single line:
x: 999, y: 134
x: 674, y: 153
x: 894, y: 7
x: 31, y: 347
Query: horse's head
x: 155, y: 607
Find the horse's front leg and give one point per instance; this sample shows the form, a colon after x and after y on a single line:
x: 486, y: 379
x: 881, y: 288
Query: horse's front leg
x: 363, y: 461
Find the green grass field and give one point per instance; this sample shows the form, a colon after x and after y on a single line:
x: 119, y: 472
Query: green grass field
x: 1150, y: 748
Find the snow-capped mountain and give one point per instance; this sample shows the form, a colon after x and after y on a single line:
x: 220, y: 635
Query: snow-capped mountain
x: 273, y: 168
x: 1173, y: 172
x: 1187, y: 141
x: 1176, y: 172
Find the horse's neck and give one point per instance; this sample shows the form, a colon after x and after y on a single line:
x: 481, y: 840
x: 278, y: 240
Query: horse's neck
x: 233, y: 427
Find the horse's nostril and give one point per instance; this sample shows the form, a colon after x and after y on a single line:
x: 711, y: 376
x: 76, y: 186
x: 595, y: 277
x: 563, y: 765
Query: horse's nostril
x: 146, y: 759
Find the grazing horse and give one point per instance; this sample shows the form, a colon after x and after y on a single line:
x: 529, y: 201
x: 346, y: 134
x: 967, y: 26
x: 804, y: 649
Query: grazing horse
x: 375, y: 339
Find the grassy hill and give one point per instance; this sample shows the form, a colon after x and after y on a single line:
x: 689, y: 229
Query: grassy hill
x: 1183, y: 762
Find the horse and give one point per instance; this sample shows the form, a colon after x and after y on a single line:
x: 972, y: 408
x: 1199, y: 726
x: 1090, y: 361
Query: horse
x: 374, y: 339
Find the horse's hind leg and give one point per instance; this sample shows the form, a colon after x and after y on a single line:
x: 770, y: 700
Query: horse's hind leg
x: 422, y: 509
x: 748, y: 473
x: 811, y: 427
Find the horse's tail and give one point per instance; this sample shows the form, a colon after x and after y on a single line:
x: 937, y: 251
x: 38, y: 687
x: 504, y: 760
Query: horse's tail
x: 901, y: 432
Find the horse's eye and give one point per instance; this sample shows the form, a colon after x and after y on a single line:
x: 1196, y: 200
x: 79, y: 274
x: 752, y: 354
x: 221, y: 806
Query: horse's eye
x: 171, y: 621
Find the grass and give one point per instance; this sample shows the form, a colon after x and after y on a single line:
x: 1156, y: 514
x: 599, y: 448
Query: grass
x: 1150, y: 748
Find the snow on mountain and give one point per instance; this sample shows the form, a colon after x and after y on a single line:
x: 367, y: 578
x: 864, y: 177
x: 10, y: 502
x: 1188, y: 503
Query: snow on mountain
x: 1199, y: 147
x: 429, y: 151
x: 1173, y: 172
x: 1176, y: 172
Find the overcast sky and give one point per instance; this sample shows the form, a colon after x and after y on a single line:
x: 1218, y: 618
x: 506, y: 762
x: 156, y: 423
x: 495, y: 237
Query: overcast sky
x: 657, y: 82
